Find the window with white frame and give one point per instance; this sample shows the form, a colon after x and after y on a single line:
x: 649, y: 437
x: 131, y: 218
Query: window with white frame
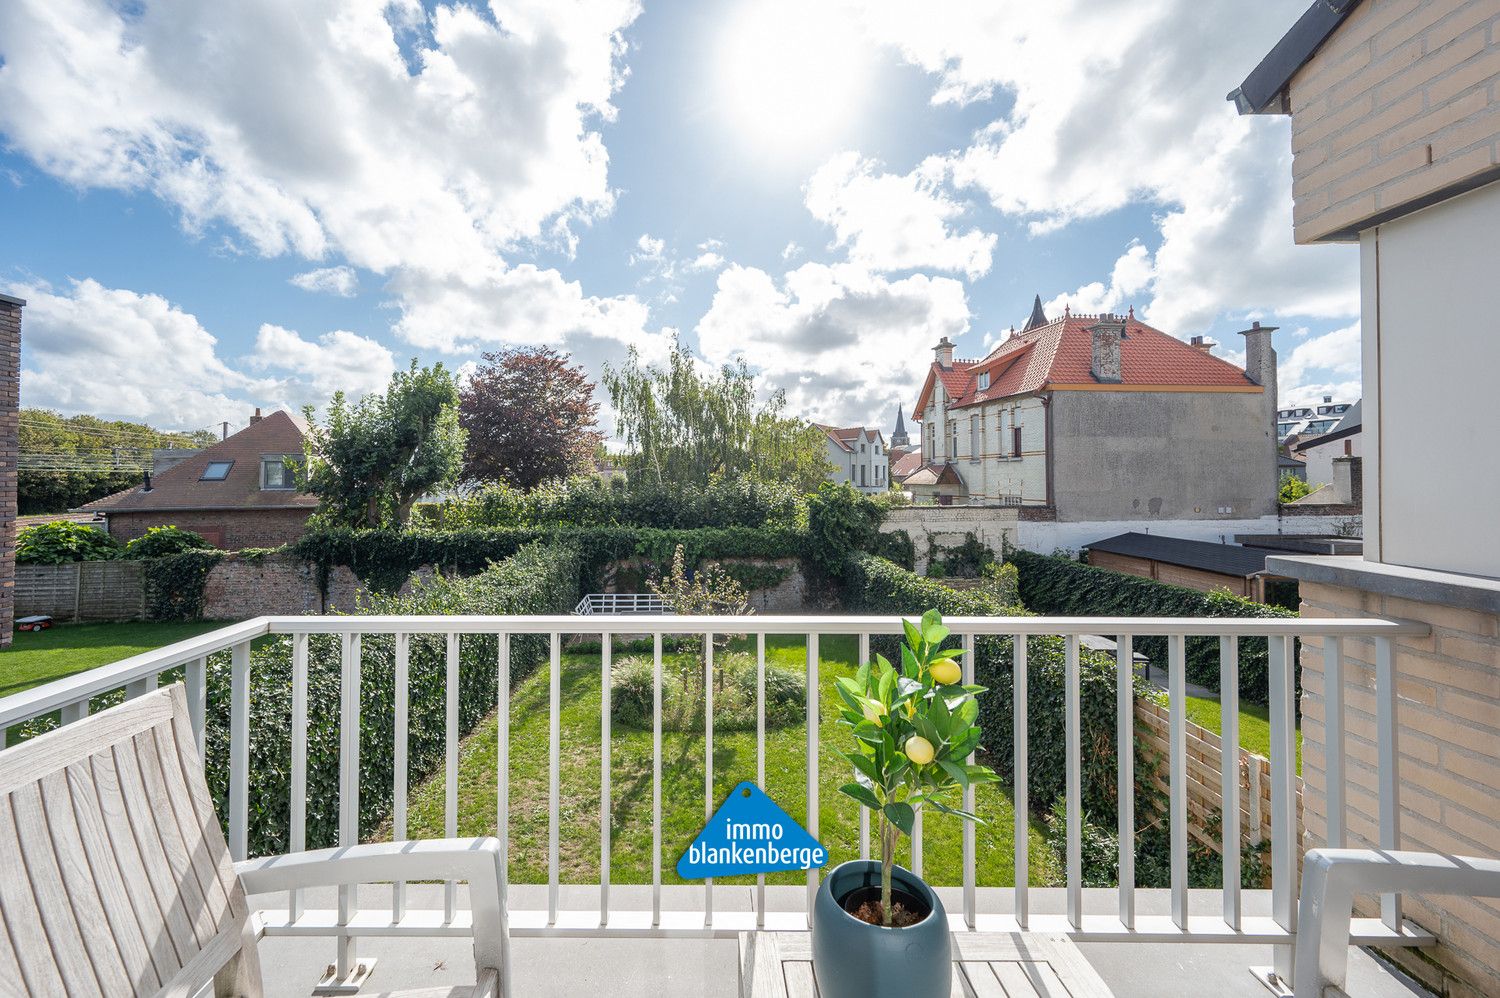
x: 984, y: 381
x: 973, y: 438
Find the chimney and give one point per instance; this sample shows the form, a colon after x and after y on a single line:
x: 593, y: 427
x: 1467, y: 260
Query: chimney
x: 944, y: 352
x: 1106, y: 334
x: 146, y: 482
x: 1203, y: 343
x: 257, y: 417
x: 1348, y: 480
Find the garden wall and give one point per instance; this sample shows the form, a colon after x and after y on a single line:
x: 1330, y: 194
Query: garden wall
x: 275, y: 584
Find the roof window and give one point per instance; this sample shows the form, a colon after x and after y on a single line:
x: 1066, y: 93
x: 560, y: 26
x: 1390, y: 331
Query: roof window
x: 216, y: 471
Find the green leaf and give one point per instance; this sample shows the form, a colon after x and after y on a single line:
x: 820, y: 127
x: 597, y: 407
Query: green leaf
x: 901, y: 815
x: 955, y: 771
x: 913, y: 634
x: 861, y: 793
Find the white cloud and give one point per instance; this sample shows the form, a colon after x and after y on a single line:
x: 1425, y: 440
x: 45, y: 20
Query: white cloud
x: 336, y: 361
x: 119, y: 353
x: 893, y: 222
x: 648, y: 249
x: 791, y: 250
x: 1318, y: 359
x: 1118, y: 102
x: 706, y: 261
x: 311, y: 133
x: 842, y: 341
x: 341, y: 281
x: 1131, y: 274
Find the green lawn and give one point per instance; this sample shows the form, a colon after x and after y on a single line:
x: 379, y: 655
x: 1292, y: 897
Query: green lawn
x: 682, y: 786
x: 37, y: 657
x: 1255, y: 725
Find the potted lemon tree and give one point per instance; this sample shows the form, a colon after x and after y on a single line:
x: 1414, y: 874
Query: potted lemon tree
x: 878, y: 929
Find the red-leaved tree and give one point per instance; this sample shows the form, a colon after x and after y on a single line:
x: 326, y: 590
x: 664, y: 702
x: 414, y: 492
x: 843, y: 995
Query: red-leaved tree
x: 530, y: 416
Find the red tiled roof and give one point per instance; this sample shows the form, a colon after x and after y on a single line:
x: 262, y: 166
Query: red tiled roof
x: 181, y: 486
x: 904, y: 462
x: 842, y: 435
x: 1060, y: 354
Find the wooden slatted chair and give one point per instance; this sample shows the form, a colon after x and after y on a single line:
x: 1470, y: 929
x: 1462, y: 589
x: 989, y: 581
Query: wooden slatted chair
x: 115, y: 878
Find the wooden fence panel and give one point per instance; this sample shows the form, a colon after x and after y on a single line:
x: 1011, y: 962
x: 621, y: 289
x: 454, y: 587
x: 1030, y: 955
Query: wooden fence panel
x: 86, y: 590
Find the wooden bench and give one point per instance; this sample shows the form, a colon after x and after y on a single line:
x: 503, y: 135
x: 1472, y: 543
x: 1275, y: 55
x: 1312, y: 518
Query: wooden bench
x: 115, y: 878
x: 985, y: 965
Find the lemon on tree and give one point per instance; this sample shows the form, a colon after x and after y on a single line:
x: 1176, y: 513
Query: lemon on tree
x: 914, y: 729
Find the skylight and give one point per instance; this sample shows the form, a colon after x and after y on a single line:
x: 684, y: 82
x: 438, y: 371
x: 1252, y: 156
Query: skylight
x: 217, y: 471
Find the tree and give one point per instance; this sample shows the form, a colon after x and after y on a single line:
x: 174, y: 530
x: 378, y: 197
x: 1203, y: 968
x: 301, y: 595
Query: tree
x: 67, y: 461
x: 683, y: 427
x: 530, y: 416
x: 374, y: 458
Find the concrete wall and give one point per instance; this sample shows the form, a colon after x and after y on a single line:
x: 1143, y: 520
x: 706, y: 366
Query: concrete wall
x: 1397, y: 106
x: 10, y: 422
x: 1448, y: 712
x: 1431, y: 317
x: 1320, y: 458
x: 1162, y: 455
x: 947, y: 526
x: 227, y: 529
x: 1045, y: 537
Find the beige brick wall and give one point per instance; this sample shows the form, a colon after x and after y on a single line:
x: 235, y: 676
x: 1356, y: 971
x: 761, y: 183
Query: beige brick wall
x: 1401, y: 103
x: 1448, y: 714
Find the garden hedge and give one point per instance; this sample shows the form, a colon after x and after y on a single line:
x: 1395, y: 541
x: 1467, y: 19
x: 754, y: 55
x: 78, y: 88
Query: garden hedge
x: 536, y: 579
x: 383, y: 559
x: 1061, y: 587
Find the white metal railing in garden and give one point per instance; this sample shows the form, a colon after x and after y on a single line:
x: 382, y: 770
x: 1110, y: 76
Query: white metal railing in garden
x: 621, y: 603
x: 140, y: 673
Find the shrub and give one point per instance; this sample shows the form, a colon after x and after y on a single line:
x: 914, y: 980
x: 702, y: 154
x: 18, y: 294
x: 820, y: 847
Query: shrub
x: 1293, y: 488
x: 1061, y: 587
x: 840, y: 520
x: 970, y: 560
x: 174, y: 584
x: 537, y: 579
x: 62, y: 541
x: 589, y: 501
x: 384, y: 559
x: 158, y: 542
x: 682, y: 703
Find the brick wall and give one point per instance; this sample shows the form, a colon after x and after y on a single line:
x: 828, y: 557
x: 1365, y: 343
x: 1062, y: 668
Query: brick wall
x: 1401, y: 104
x: 1448, y: 713
x: 227, y: 529
x: 10, y: 402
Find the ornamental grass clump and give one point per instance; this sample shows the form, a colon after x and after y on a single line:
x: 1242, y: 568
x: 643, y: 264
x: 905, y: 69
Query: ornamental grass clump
x: 914, y: 730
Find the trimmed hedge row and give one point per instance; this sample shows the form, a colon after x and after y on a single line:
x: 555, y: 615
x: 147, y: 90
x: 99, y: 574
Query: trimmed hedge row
x: 1062, y: 587
x: 536, y: 579
x: 384, y: 559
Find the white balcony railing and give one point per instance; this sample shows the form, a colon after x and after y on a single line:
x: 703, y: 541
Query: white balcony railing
x: 136, y: 675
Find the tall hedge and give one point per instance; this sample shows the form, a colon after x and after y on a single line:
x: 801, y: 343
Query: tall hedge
x: 536, y: 579
x: 1062, y: 587
x: 383, y: 559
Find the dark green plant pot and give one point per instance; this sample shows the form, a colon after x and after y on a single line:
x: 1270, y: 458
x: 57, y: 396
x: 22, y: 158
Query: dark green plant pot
x: 854, y: 959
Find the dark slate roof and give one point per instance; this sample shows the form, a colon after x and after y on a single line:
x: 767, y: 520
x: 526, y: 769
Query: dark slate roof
x: 1261, y: 92
x: 1225, y: 559
x: 1038, y: 317
x: 1351, y: 424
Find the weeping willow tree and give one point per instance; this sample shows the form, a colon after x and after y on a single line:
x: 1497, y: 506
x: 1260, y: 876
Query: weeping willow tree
x: 684, y: 426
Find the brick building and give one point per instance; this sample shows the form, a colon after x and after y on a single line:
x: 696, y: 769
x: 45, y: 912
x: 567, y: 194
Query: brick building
x: 238, y: 493
x: 1395, y: 137
x: 10, y: 420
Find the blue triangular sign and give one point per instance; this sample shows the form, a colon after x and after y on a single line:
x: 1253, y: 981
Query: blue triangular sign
x: 750, y: 833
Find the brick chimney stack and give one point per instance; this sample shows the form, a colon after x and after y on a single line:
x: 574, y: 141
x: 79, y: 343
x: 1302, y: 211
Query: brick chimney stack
x: 1106, y: 335
x: 10, y: 421
x: 257, y: 417
x: 943, y: 352
x: 1203, y: 343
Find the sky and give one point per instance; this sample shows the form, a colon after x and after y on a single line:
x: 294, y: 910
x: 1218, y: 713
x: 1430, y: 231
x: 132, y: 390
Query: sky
x: 213, y: 207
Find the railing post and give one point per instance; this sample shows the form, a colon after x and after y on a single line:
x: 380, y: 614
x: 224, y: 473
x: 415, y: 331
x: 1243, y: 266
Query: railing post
x: 1125, y: 756
x: 1020, y: 769
x: 195, y: 678
x: 554, y: 772
x: 1333, y: 728
x: 970, y: 873
x: 812, y: 762
x: 239, y: 750
x: 298, y: 802
x: 1073, y: 758
x: 450, y: 744
x: 760, y: 762
x: 606, y: 653
x: 348, y: 791
x: 708, y: 762
x: 502, y: 764
x: 1390, y: 778
x: 140, y: 687
x: 1284, y: 845
x: 1177, y: 774
x: 399, y: 748
x: 1229, y: 773
x: 656, y: 779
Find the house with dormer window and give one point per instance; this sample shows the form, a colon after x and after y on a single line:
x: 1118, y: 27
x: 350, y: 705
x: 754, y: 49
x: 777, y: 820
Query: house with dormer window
x: 859, y: 456
x: 1101, y: 417
x: 239, y: 493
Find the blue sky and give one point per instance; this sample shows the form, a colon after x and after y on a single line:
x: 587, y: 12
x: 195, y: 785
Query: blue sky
x: 822, y: 188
